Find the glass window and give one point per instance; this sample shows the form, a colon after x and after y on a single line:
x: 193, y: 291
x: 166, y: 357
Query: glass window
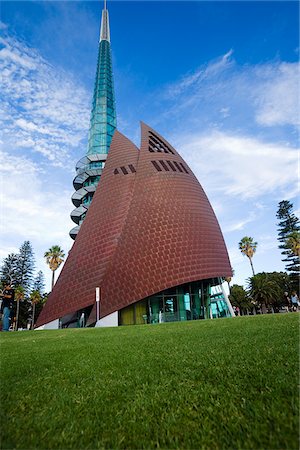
x: 184, y: 306
x: 95, y: 164
x: 155, y: 310
x: 141, y: 316
x: 171, y: 310
x: 191, y: 301
x: 127, y: 315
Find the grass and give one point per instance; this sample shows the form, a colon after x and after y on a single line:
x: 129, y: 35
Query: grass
x: 227, y: 383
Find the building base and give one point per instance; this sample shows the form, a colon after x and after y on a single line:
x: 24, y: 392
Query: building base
x: 54, y: 325
x: 109, y: 321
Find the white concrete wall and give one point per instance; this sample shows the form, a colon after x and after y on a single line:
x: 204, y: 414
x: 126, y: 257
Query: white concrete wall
x: 54, y: 325
x: 108, y: 321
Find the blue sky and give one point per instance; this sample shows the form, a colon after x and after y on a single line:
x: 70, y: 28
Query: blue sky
x: 218, y: 79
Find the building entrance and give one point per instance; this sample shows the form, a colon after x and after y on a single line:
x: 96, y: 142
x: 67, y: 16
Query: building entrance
x: 197, y: 300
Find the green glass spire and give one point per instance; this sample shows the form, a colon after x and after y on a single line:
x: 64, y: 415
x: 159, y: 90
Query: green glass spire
x: 103, y: 117
x: 103, y: 123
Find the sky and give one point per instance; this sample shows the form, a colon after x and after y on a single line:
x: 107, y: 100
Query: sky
x: 219, y: 80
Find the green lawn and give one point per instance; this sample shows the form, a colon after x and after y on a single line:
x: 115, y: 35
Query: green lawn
x: 226, y: 383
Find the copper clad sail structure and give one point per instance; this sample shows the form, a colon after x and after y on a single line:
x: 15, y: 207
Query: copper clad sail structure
x: 149, y: 228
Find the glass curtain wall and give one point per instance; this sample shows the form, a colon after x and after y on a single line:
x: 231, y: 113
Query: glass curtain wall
x: 193, y: 301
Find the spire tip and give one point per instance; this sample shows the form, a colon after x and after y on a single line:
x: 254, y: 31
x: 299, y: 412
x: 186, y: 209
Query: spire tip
x: 104, y: 29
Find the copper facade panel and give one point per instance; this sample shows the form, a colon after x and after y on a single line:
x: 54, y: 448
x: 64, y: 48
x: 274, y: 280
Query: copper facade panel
x: 146, y: 231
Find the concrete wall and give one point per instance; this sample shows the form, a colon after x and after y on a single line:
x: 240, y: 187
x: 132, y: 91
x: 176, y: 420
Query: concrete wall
x: 108, y: 321
x: 54, y: 325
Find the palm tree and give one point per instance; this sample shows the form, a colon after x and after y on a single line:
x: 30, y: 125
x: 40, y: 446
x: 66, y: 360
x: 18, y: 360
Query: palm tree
x: 293, y: 242
x: 238, y: 297
x: 54, y: 257
x: 35, y: 298
x: 19, y: 295
x: 263, y: 289
x: 248, y: 248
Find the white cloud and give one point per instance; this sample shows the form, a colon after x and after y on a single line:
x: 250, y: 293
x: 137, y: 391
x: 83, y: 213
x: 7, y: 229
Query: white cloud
x: 278, y: 97
x: 44, y: 108
x: 32, y: 210
x: 196, y: 79
x: 239, y: 225
x: 223, y: 92
x: 239, y: 166
x: 13, y: 56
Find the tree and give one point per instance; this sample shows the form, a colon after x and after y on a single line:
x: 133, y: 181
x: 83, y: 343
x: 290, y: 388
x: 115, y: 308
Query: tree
x: 9, y: 268
x: 293, y: 242
x: 25, y: 266
x: 35, y: 297
x: 18, y: 267
x: 248, y: 248
x: 39, y: 282
x: 265, y: 289
x: 283, y: 283
x: 24, y: 312
x: 288, y: 229
x: 39, y: 306
x: 238, y: 297
x: 54, y: 257
x: 44, y: 299
x: 19, y: 295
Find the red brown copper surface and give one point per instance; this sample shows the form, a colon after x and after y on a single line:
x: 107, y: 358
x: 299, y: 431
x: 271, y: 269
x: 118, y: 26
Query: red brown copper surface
x: 146, y: 230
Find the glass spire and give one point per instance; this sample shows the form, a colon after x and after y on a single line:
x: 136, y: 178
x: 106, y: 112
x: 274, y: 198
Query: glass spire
x: 103, y: 123
x: 103, y: 117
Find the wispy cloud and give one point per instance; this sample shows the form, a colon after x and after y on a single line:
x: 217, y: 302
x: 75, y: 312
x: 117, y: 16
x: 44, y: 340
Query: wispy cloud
x: 240, y: 225
x: 32, y: 210
x: 239, y: 166
x: 225, y: 95
x: 195, y: 80
x: 44, y: 109
x: 29, y: 207
x: 278, y: 97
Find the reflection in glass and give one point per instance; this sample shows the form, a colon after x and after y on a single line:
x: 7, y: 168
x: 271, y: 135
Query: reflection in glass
x: 171, y: 310
x: 197, y: 300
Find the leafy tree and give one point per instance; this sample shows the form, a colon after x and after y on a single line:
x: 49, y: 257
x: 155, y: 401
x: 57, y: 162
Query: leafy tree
x: 248, y: 248
x: 25, y: 266
x: 40, y: 305
x: 54, y: 257
x: 35, y: 297
x: 293, y: 242
x: 24, y: 312
x: 264, y: 289
x: 9, y: 268
x: 18, y: 267
x: 19, y: 296
x: 44, y: 299
x: 288, y: 229
x: 281, y: 279
x: 238, y: 297
x: 283, y: 282
x: 39, y: 282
